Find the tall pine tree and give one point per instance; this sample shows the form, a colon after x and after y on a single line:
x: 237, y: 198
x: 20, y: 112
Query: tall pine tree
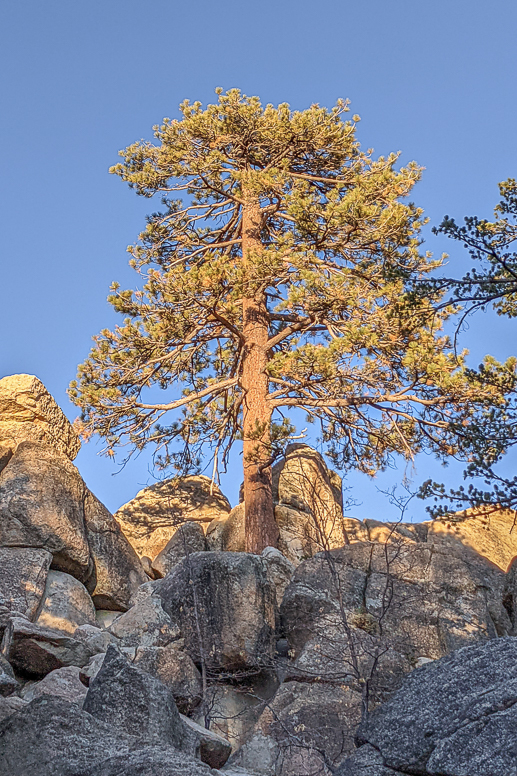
x: 275, y: 276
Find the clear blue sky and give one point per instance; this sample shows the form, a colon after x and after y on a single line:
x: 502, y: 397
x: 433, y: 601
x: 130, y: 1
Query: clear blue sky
x: 435, y: 80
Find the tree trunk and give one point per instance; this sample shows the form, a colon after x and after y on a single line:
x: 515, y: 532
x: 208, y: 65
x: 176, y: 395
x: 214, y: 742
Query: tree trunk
x: 261, y: 529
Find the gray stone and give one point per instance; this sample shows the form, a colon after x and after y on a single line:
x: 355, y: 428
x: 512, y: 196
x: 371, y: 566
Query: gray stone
x: 105, y: 618
x: 35, y: 651
x: 153, y: 516
x: 213, y: 749
x: 279, y: 569
x: 232, y: 711
x: 187, y: 539
x: 150, y: 761
x: 146, y: 624
x: 51, y: 737
x: 62, y: 683
x: 10, y: 705
x: 366, y: 761
x: 175, y: 668
x: 8, y: 683
x: 135, y: 702
x: 457, y: 715
x: 41, y: 505
x: 66, y: 604
x: 91, y: 669
x: 97, y: 639
x: 225, y: 606
x: 118, y: 571
x: 23, y: 574
x: 301, y: 729
x: 29, y: 413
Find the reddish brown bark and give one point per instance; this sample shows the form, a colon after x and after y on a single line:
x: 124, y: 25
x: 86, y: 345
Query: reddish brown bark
x: 261, y: 529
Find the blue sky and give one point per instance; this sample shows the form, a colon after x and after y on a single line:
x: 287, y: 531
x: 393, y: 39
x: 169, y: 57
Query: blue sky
x: 434, y: 80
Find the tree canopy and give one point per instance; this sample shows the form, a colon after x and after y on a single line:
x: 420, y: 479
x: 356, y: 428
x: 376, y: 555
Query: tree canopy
x: 277, y: 274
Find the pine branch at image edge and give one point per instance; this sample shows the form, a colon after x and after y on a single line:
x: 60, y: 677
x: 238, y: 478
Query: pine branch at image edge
x: 277, y: 275
x: 490, y: 282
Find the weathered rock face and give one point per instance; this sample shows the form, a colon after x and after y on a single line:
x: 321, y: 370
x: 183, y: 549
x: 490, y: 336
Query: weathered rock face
x: 136, y: 703
x: 145, y: 625
x: 225, y: 606
x: 29, y: 413
x: 226, y: 533
x: 188, y: 538
x: 299, y: 538
x: 150, y: 520
x: 279, y: 569
x: 150, y: 761
x: 493, y: 536
x: 118, y: 571
x: 233, y: 710
x: 213, y: 749
x: 23, y: 575
x: 304, y: 725
x: 65, y: 604
x: 455, y: 716
x: 35, y: 651
x: 8, y: 683
x: 175, y: 669
x: 303, y: 481
x: 41, y: 505
x: 62, y: 683
x: 51, y: 737
x: 370, y: 612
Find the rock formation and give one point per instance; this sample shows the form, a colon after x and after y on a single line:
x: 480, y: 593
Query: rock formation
x: 358, y: 648
x: 153, y: 516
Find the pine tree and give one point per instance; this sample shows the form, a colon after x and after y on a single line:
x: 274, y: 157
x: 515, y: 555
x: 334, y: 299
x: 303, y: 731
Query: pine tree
x: 275, y: 276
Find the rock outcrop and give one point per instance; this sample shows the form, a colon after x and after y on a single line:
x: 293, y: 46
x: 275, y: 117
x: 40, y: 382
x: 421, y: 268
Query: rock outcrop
x: 151, y: 519
x: 224, y: 604
x: 28, y: 413
x: 399, y: 639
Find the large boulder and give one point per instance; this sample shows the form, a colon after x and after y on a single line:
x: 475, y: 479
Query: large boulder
x: 136, y: 703
x: 300, y: 536
x: 65, y: 604
x: 153, y: 516
x: 225, y: 605
x: 41, y: 505
x: 303, y: 481
x: 304, y: 728
x: 51, y: 737
x: 62, y: 683
x: 29, y: 413
x: 118, y: 571
x: 455, y: 716
x: 23, y: 575
x: 188, y: 538
x: 35, y: 651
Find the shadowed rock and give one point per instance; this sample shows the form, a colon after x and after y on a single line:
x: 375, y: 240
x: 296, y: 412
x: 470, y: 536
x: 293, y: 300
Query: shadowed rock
x: 153, y: 516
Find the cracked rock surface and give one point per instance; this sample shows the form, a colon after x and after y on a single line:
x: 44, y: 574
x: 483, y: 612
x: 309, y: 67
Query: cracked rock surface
x: 454, y: 717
